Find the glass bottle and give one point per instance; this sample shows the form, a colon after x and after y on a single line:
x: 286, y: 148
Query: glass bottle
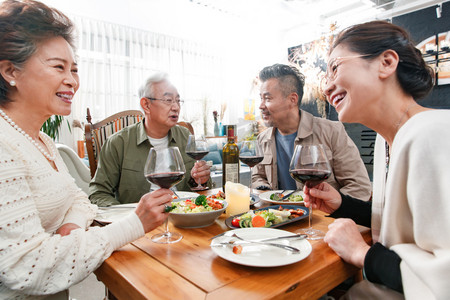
x: 230, y: 161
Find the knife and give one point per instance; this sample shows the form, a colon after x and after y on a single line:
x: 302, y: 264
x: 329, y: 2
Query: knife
x: 286, y: 237
x: 244, y: 243
x: 293, y: 236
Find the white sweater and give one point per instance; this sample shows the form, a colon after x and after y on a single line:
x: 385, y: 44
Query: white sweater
x: 415, y: 221
x: 35, y: 200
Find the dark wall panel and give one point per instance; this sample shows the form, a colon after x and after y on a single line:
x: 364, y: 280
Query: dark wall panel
x: 421, y: 25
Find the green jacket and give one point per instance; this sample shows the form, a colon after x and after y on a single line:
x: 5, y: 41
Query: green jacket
x: 120, y: 171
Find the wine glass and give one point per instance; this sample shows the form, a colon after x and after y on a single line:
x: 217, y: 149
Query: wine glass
x: 197, y: 148
x: 165, y: 168
x: 251, y: 154
x: 309, y: 165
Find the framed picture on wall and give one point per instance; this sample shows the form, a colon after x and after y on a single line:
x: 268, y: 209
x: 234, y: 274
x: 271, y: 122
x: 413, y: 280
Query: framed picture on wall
x: 436, y: 53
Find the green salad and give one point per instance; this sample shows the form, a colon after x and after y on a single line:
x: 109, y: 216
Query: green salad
x: 270, y: 216
x: 196, y: 205
x: 291, y: 198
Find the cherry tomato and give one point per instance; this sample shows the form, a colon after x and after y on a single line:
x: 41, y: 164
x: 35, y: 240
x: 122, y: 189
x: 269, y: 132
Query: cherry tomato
x: 235, y: 222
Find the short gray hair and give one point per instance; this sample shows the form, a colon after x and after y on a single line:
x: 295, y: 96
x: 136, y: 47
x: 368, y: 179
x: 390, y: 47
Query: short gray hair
x: 146, y: 89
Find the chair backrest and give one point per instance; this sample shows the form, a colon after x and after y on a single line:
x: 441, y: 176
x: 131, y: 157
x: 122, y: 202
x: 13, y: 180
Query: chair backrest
x: 97, y: 134
x: 77, y: 168
x: 187, y: 125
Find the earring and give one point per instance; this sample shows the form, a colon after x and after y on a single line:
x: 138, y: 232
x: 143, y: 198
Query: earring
x: 12, y: 83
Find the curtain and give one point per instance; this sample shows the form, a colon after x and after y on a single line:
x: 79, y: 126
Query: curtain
x: 115, y: 60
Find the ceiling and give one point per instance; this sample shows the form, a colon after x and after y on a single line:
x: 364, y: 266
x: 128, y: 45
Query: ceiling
x: 233, y: 23
x: 311, y: 18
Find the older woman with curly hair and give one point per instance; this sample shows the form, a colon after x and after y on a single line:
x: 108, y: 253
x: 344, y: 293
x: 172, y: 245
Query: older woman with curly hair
x: 46, y: 244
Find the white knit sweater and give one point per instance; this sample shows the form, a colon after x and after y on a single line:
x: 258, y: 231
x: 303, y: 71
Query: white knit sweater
x: 415, y: 220
x: 35, y: 200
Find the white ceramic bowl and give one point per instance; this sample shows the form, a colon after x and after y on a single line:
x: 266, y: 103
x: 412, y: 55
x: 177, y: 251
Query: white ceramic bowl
x: 197, y: 220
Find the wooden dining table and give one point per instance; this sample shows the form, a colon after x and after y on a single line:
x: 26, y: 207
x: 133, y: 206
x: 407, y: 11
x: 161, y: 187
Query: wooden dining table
x: 190, y: 269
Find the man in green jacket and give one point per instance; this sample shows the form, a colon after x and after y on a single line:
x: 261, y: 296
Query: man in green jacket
x: 120, y: 171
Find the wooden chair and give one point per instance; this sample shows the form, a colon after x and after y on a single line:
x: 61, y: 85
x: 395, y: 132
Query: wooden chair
x: 97, y: 134
x: 187, y: 125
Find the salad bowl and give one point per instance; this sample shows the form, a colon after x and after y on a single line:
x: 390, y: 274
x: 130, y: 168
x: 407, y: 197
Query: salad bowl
x: 196, y: 219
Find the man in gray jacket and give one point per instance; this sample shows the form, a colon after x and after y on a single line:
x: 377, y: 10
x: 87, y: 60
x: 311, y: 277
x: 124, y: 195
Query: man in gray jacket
x: 281, y: 93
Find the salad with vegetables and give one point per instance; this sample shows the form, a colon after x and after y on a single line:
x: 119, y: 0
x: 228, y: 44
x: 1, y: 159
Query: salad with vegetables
x: 195, y: 205
x: 291, y: 198
x: 265, y: 218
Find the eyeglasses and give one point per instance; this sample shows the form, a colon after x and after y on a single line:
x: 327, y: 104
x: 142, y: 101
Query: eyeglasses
x: 332, y: 69
x: 168, y: 101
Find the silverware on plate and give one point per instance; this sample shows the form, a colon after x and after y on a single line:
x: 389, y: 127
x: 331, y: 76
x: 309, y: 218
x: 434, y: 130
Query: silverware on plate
x: 285, y: 237
x: 287, y: 195
x: 294, y: 236
x: 245, y: 242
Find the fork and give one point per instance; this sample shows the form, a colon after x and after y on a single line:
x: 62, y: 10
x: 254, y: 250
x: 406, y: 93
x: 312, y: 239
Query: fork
x: 293, y: 236
x: 281, y: 193
x: 287, y: 195
x: 286, y: 247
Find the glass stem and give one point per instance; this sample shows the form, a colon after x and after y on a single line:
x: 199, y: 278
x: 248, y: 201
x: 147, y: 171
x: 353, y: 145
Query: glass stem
x: 310, y: 215
x: 166, y: 225
x: 198, y: 183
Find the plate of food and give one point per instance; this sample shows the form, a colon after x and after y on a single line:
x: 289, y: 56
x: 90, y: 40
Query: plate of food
x: 260, y: 255
x: 113, y: 213
x: 275, y: 197
x: 271, y: 216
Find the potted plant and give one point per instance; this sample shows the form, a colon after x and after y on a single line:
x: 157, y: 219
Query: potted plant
x: 52, y: 125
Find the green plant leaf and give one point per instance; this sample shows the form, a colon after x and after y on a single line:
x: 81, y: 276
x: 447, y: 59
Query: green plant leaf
x: 52, y: 125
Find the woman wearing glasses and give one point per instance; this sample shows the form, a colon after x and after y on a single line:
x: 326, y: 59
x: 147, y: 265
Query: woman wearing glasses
x: 374, y: 77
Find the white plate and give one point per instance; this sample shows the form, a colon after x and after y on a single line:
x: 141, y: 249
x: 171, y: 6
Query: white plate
x: 187, y: 194
x: 266, y: 197
x: 115, y: 212
x: 260, y: 255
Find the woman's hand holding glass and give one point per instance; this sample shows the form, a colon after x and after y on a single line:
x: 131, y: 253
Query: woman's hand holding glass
x: 343, y: 235
x: 322, y: 196
x: 150, y: 209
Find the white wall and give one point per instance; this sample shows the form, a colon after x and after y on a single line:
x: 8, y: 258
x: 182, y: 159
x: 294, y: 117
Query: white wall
x: 246, y: 46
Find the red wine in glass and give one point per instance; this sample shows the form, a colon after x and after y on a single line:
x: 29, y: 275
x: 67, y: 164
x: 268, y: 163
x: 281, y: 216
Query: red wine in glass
x: 197, y: 155
x: 310, y: 177
x: 165, y: 168
x: 165, y: 180
x: 309, y: 165
x: 197, y: 148
x: 251, y: 154
x: 251, y: 161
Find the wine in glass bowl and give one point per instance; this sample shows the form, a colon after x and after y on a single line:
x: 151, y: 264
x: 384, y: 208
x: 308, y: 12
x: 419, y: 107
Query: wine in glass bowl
x: 309, y: 165
x: 165, y: 168
x: 197, y: 155
x: 251, y: 154
x: 165, y: 180
x: 251, y: 161
x: 197, y: 148
x: 310, y: 177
